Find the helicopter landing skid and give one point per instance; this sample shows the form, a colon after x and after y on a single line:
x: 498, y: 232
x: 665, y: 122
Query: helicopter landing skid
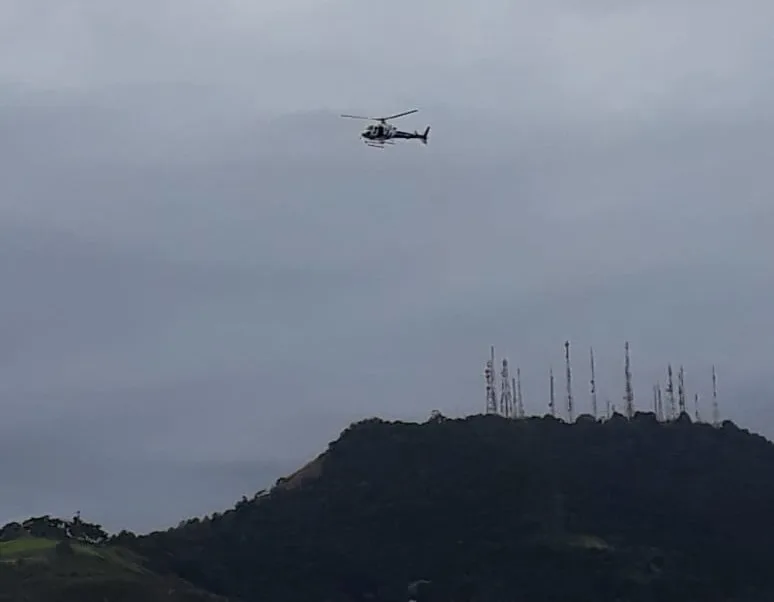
x: 378, y: 144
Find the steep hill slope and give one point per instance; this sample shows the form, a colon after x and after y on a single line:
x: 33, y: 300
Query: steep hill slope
x: 531, y: 509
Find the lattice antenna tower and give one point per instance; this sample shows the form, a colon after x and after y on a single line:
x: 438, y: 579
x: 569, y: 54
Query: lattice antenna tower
x: 514, y: 388
x: 593, y: 384
x: 715, y: 407
x: 629, y: 396
x: 519, y: 397
x: 697, y: 415
x: 570, y: 408
x: 506, y: 393
x: 551, y: 393
x: 681, y: 391
x: 659, y: 403
x: 670, y: 391
x: 489, y: 374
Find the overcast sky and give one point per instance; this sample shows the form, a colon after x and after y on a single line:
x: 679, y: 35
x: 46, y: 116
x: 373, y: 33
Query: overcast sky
x: 206, y: 276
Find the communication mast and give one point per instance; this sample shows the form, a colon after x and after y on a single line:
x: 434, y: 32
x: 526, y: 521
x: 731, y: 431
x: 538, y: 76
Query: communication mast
x: 629, y: 396
x: 593, y: 385
x: 570, y: 409
x: 491, y: 393
x: 506, y: 393
x: 681, y: 390
x: 514, y: 406
x: 715, y: 408
x: 551, y: 393
x: 670, y: 390
x: 659, y: 403
x: 519, y: 398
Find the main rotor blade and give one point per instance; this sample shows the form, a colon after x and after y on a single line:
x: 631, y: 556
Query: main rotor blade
x: 382, y: 119
x: 399, y: 115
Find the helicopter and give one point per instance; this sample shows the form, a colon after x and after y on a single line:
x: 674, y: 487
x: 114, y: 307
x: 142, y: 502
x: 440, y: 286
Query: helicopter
x: 381, y: 133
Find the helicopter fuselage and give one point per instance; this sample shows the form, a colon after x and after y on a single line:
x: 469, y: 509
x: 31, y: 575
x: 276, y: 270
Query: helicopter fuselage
x: 380, y: 133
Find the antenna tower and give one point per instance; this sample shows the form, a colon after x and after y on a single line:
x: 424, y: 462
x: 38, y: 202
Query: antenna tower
x: 715, y: 408
x: 659, y: 403
x: 491, y: 393
x: 593, y: 384
x: 681, y: 390
x: 551, y: 393
x: 513, y: 405
x: 519, y: 398
x: 506, y: 393
x: 629, y: 397
x: 570, y: 409
x: 670, y: 391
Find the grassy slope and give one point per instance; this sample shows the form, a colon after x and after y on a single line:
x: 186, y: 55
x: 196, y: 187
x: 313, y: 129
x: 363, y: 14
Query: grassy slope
x: 32, y: 570
x: 24, y: 548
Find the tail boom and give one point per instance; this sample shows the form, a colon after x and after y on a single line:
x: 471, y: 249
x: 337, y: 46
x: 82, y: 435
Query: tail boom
x: 415, y: 135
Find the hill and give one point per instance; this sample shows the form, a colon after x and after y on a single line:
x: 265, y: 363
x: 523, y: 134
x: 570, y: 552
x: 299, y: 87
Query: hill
x: 59, y: 567
x: 498, y: 509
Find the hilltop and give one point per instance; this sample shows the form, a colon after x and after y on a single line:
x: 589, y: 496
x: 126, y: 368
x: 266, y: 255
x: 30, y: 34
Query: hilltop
x: 486, y: 508
x: 47, y: 559
x: 532, y: 509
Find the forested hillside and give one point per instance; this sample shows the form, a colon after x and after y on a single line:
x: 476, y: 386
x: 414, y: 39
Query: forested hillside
x: 498, y: 509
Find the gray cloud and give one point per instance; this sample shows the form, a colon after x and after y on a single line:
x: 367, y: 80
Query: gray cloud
x: 206, y: 276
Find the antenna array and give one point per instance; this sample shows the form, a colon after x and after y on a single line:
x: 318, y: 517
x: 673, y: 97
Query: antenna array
x: 510, y: 402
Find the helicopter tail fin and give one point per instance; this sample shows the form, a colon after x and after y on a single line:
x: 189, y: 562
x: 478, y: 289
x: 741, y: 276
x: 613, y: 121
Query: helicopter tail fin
x: 425, y: 134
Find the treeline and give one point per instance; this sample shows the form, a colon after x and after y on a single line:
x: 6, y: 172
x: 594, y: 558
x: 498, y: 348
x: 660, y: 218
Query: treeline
x: 49, y: 527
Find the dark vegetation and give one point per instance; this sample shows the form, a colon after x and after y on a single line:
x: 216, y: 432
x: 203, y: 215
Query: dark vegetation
x: 46, y: 559
x: 485, y: 508
x: 55, y: 529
